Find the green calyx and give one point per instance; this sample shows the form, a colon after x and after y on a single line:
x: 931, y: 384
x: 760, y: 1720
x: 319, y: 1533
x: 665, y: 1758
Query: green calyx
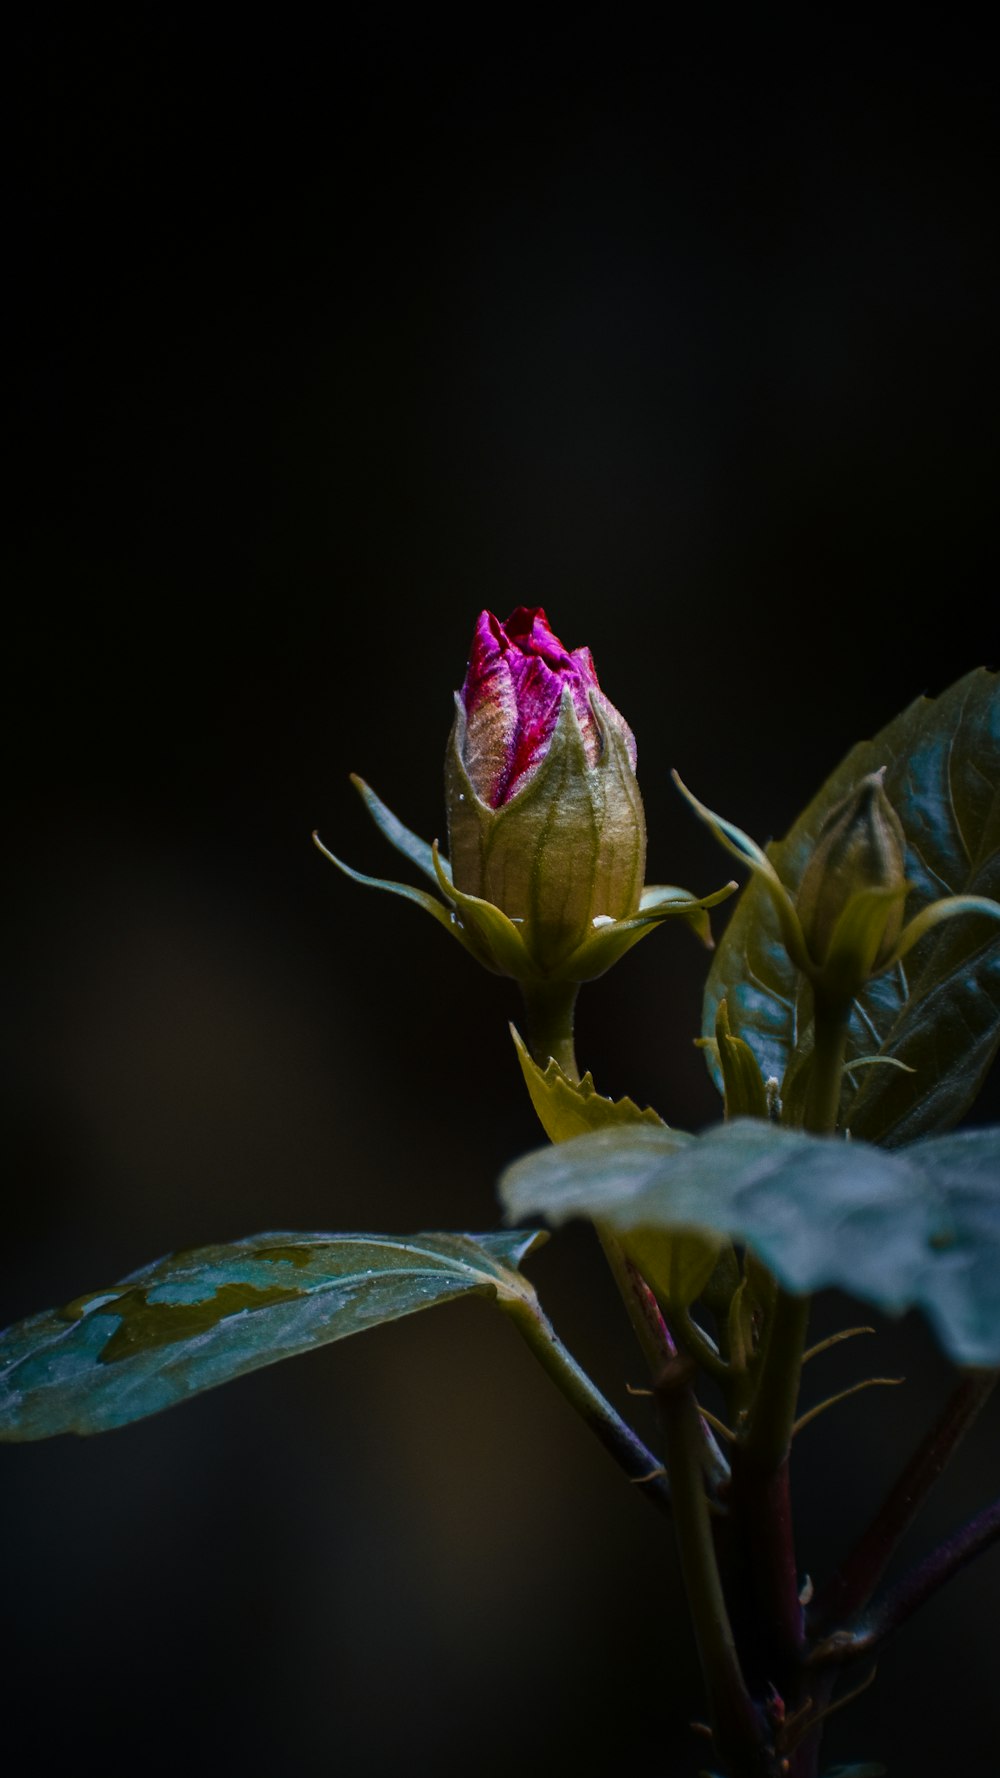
x: 563, y: 857
x: 556, y: 923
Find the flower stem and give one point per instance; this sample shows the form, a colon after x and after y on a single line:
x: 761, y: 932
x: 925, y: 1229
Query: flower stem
x: 761, y: 1479
x: 761, y: 1499
x: 549, y: 1009
x: 770, y: 1436
x: 773, y: 1415
x: 737, y: 1727
x: 826, y: 1075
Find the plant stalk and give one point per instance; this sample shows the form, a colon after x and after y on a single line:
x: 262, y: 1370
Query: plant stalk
x: 549, y: 1009
x: 583, y: 1395
x: 655, y: 1339
x: 738, y: 1730
x: 822, y: 1107
x: 850, y: 1589
x: 763, y: 1529
x: 765, y: 1570
x: 923, y: 1581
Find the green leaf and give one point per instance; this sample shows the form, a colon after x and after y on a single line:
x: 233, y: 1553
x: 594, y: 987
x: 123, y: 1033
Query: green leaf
x: 905, y: 1228
x: 939, y: 1011
x: 196, y: 1319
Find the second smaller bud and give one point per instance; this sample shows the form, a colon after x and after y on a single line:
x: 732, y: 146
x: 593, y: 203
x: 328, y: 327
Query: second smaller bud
x: 850, y: 900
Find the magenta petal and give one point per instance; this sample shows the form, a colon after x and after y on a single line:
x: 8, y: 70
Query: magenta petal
x: 512, y: 694
x: 491, y: 712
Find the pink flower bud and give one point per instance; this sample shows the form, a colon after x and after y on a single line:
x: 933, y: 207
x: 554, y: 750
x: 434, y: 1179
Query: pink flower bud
x: 546, y: 832
x: 544, y: 814
x: 851, y: 896
x: 512, y: 695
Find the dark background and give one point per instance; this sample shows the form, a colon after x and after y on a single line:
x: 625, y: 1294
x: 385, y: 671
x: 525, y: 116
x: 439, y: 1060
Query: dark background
x: 325, y: 340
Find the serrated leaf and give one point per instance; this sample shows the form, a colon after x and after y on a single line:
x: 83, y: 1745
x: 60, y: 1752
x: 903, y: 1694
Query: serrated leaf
x: 568, y: 1108
x: 676, y: 1265
x: 197, y: 1319
x: 939, y: 1013
x: 904, y: 1228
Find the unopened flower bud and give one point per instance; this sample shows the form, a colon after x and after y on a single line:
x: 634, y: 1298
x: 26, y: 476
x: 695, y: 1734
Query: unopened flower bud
x: 545, y: 819
x: 850, y: 900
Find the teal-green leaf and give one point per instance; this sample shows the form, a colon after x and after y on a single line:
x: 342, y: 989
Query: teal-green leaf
x: 196, y: 1319
x: 939, y: 1012
x: 903, y: 1228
